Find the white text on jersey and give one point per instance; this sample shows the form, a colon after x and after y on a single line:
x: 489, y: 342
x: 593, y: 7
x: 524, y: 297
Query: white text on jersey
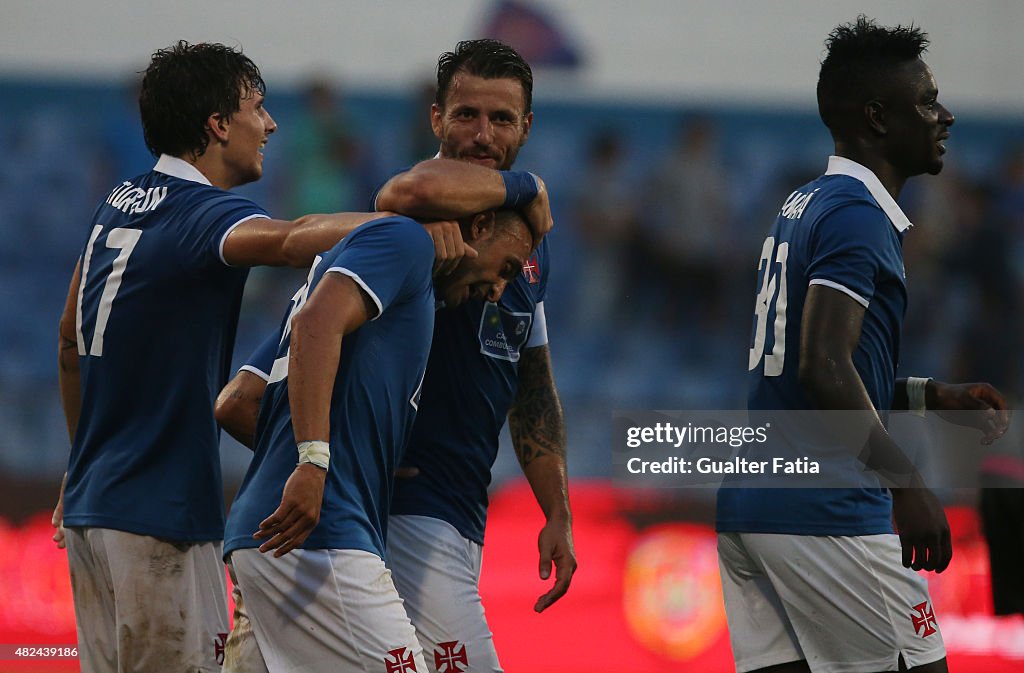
x: 128, y: 198
x: 794, y: 206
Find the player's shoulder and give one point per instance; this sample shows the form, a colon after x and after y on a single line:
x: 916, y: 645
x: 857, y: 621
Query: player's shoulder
x: 392, y: 236
x: 839, y: 191
x: 844, y: 202
x: 395, y: 226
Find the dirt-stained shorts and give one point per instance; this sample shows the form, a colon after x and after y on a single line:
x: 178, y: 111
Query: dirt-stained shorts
x: 144, y: 604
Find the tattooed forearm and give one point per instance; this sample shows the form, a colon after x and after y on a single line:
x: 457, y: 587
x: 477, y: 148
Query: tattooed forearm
x: 535, y: 421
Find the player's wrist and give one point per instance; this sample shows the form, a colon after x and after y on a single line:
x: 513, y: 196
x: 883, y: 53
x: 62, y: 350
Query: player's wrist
x: 521, y: 187
x: 557, y: 513
x: 918, y: 394
x: 315, y: 452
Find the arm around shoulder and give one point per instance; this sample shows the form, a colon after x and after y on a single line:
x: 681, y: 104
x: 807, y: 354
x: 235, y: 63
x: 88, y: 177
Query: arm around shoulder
x: 265, y: 242
x: 443, y: 189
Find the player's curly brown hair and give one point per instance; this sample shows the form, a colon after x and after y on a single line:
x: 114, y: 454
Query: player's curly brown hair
x: 185, y: 84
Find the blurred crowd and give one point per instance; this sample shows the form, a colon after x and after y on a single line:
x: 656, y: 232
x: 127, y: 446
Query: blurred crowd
x: 660, y: 212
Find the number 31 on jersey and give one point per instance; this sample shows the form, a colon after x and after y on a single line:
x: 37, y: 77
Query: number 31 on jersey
x: 773, y: 286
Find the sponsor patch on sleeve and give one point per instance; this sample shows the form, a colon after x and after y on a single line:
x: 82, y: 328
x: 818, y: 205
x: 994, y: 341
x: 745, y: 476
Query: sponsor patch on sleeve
x: 502, y: 332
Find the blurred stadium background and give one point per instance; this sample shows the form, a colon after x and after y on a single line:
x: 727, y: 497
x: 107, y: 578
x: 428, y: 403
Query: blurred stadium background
x: 668, y: 134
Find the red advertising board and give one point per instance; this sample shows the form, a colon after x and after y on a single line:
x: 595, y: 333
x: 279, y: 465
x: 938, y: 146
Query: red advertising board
x: 645, y: 597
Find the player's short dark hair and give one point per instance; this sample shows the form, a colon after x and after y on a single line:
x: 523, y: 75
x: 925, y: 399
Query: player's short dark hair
x: 861, y: 57
x: 185, y: 84
x: 485, y: 58
x: 507, y: 222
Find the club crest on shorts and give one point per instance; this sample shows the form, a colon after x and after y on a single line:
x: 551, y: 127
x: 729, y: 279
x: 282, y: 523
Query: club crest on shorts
x: 219, y: 645
x: 399, y: 660
x: 924, y: 619
x: 448, y: 659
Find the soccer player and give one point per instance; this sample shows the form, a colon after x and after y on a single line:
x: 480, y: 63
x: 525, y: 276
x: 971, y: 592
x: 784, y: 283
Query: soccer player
x: 340, y: 402
x: 815, y: 579
x: 489, y: 360
x: 145, y: 345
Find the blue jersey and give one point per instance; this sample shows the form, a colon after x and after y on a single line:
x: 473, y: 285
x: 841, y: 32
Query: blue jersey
x: 469, y: 386
x: 843, y: 231
x: 156, y: 317
x: 373, y: 403
x: 471, y: 382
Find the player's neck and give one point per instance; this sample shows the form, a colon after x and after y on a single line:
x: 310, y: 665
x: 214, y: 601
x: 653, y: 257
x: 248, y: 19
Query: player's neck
x: 210, y: 164
x: 868, y: 157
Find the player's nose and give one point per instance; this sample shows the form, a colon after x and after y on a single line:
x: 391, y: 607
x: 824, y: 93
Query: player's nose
x: 496, y: 290
x: 946, y: 117
x: 270, y: 125
x: 484, y: 131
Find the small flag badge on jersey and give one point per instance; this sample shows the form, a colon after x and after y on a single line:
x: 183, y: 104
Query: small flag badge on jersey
x: 532, y: 270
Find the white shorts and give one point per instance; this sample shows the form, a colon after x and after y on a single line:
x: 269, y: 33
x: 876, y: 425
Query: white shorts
x: 145, y: 604
x: 437, y: 573
x: 242, y: 652
x: 843, y: 604
x: 326, y: 610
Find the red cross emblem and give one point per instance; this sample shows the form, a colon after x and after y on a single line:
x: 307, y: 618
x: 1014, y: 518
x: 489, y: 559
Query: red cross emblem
x: 532, y: 270
x: 924, y: 619
x: 403, y: 661
x: 218, y: 647
x: 447, y: 659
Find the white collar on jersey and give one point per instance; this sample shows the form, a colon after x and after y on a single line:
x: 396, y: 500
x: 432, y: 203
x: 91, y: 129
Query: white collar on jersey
x: 179, y: 168
x: 848, y: 167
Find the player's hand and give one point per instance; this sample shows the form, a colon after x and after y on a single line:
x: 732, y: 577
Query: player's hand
x: 988, y: 405
x: 57, y: 520
x: 538, y: 213
x: 555, y: 546
x: 449, y: 248
x: 298, y: 514
x: 923, y: 529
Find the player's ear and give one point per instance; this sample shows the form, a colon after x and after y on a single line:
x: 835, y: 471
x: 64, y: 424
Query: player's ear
x: 218, y: 126
x: 482, y: 226
x: 874, y: 115
x: 436, y: 113
x: 527, y: 123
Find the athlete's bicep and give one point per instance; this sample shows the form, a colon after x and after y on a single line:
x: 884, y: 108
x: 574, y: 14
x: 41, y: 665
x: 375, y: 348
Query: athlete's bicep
x: 68, y: 319
x: 338, y: 305
x: 256, y: 242
x: 830, y: 326
x: 238, y: 406
x: 68, y: 372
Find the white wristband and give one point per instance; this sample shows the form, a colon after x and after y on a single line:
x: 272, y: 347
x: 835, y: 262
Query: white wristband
x: 317, y: 452
x: 916, y: 394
